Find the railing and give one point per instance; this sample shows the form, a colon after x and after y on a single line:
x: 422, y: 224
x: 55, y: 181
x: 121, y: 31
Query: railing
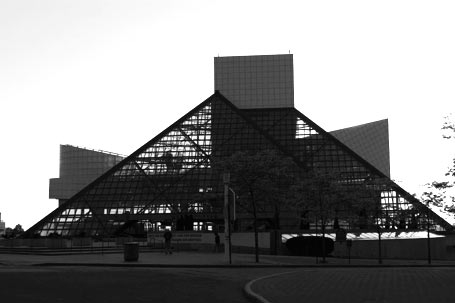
x: 73, y: 245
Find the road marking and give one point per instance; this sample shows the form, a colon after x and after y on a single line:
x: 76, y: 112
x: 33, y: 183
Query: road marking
x: 255, y: 296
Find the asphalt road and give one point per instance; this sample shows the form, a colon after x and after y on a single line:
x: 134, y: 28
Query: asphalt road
x: 125, y: 284
x: 360, y: 285
x: 92, y: 284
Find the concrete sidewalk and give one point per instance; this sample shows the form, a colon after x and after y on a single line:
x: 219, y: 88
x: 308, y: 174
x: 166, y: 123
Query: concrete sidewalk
x: 196, y: 259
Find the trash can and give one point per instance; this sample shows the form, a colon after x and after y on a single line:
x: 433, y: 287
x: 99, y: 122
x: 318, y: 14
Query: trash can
x: 131, y: 251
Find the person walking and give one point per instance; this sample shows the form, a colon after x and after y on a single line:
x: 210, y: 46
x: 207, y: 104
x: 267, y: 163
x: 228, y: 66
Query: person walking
x: 217, y: 242
x: 167, y: 241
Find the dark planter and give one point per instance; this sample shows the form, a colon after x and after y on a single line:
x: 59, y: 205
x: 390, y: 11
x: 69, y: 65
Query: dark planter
x: 309, y: 246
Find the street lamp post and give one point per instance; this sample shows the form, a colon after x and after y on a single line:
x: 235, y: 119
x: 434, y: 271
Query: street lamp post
x: 428, y: 234
x: 227, y: 227
x: 233, y: 204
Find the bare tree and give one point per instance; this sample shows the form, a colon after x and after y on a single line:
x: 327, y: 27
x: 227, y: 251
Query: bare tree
x: 263, y: 181
x: 441, y: 193
x: 328, y: 197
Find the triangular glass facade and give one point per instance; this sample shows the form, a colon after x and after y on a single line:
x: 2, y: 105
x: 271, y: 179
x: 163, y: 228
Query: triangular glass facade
x: 171, y: 179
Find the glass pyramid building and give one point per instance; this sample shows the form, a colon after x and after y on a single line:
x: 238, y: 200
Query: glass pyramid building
x: 172, y: 180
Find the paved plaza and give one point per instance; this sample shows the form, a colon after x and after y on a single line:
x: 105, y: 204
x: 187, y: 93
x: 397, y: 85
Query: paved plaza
x: 363, y: 285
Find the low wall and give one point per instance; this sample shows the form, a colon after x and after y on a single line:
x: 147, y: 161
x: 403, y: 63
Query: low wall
x: 442, y: 248
x: 206, y: 241
x: 411, y: 249
x: 43, y: 242
x: 247, y: 239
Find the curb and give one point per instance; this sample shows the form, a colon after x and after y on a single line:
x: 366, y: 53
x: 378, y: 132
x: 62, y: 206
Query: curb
x: 255, y: 297
x: 151, y: 265
x: 157, y: 265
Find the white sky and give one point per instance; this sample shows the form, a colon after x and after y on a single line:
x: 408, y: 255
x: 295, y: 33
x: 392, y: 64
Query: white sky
x: 113, y: 74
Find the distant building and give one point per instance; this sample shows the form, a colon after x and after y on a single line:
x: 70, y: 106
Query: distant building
x: 78, y: 168
x: 255, y: 82
x: 370, y: 141
x: 267, y: 82
x: 173, y: 180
